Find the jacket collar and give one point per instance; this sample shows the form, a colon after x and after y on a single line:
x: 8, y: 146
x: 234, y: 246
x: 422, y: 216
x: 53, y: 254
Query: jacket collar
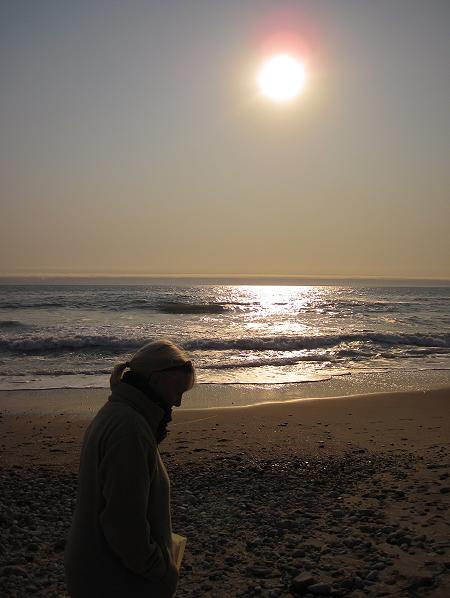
x: 125, y: 393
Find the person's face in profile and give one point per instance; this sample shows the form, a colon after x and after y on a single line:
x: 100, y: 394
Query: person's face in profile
x: 170, y: 386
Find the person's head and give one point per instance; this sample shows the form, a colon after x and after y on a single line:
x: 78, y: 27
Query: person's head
x: 166, y: 368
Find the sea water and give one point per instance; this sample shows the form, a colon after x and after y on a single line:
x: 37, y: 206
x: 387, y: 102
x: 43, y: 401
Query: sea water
x: 70, y: 335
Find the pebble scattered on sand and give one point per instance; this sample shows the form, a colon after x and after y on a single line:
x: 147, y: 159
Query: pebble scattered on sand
x: 357, y: 524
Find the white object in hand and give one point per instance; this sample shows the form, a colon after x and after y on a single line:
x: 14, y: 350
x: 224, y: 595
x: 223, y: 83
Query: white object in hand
x: 178, y: 546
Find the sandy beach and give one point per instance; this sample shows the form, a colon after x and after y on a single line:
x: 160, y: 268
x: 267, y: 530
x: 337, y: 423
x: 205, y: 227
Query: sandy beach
x: 341, y: 496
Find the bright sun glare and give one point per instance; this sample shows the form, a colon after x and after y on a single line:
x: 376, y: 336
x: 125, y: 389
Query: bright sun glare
x: 281, y: 78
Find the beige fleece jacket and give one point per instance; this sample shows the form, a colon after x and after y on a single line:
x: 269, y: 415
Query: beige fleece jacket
x: 120, y: 540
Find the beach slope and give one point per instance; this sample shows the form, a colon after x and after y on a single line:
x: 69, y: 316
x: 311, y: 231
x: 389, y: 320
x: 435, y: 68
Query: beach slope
x: 340, y: 496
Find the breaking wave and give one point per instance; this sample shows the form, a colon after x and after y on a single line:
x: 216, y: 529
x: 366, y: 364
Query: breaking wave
x: 298, y: 343
x: 367, y: 341
x: 178, y: 307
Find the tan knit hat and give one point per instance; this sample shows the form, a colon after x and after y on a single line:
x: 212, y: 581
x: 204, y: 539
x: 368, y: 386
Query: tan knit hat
x: 156, y: 356
x: 152, y: 357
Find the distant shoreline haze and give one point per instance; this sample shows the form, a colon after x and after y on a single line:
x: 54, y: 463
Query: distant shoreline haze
x: 199, y: 279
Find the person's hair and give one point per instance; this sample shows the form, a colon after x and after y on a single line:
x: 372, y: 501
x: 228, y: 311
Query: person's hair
x: 156, y: 356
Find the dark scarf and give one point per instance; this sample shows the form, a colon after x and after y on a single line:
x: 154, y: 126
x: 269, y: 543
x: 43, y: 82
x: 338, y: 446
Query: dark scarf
x: 141, y: 383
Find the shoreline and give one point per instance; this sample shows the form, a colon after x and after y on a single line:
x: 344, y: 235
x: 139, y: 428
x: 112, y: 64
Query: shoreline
x: 85, y: 402
x: 404, y: 420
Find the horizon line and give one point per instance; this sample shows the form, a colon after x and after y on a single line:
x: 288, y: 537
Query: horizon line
x: 107, y: 275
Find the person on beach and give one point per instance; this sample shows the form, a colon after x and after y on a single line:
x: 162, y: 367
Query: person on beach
x: 120, y: 541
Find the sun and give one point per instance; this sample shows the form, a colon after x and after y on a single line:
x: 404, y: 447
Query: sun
x: 281, y: 78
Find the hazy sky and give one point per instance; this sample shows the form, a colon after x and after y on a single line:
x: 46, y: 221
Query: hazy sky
x: 133, y: 138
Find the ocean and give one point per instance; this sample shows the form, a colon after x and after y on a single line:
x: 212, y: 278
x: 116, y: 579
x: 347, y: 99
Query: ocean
x: 70, y: 335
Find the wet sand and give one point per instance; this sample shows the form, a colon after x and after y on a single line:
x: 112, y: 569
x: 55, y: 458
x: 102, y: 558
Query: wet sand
x: 341, y: 496
x: 85, y: 403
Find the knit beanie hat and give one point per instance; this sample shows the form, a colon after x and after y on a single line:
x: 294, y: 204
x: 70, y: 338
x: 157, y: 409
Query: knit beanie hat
x: 154, y: 356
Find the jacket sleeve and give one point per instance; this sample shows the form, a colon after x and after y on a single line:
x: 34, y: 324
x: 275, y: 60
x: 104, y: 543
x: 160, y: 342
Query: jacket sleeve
x: 126, y: 471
